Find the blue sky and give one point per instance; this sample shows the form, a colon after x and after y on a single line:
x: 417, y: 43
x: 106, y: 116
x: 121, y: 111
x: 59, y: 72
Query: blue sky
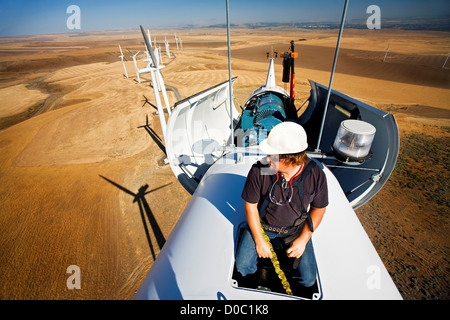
x: 19, y: 17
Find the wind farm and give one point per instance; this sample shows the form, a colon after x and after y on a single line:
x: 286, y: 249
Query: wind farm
x: 84, y: 181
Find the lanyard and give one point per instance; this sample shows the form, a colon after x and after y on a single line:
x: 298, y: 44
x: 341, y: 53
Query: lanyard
x: 291, y: 193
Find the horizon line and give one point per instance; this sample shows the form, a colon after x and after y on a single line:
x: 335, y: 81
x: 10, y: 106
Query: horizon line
x: 436, y: 24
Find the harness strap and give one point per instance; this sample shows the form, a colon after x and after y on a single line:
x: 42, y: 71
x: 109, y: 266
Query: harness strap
x: 301, y: 191
x: 300, y: 187
x: 285, y: 231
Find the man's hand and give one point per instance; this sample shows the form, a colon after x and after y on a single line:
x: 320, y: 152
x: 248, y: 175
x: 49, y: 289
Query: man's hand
x: 263, y: 249
x: 298, y: 245
x: 252, y: 214
x: 296, y: 249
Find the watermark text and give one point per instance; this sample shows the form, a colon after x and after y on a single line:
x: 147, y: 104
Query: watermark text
x: 373, y: 21
x: 74, y: 20
x: 74, y: 280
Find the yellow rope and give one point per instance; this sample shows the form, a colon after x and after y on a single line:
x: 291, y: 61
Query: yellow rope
x: 276, y: 265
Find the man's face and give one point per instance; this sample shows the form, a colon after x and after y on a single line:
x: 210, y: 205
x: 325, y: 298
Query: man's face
x: 274, y: 162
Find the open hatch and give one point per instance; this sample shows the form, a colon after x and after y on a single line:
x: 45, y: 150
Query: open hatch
x: 266, y: 279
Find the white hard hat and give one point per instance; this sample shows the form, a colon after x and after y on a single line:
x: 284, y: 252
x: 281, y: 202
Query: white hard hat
x: 285, y: 138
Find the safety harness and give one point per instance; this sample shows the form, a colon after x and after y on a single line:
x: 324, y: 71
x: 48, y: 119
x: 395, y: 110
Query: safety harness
x: 289, y: 234
x: 299, y: 184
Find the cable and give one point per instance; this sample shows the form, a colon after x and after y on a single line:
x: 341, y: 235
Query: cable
x: 276, y: 265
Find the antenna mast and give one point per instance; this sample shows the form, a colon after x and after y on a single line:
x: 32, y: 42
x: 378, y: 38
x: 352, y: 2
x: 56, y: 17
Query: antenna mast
x: 288, y: 70
x: 230, y: 87
x: 332, y: 75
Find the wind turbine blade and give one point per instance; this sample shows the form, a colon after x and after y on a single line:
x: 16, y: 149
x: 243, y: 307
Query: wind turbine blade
x: 158, y: 188
x: 149, y: 47
x: 118, y: 186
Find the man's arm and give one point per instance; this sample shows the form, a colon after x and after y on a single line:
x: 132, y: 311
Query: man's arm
x: 252, y: 214
x: 298, y: 245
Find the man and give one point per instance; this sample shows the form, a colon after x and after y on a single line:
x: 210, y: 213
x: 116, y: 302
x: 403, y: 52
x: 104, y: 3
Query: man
x: 277, y: 195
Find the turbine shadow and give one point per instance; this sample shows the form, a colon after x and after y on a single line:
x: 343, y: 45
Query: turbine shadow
x: 146, y: 213
x: 153, y: 135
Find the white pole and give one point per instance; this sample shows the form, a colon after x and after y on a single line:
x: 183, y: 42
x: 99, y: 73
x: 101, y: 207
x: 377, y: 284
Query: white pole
x: 123, y: 62
x: 149, y: 38
x: 167, y: 47
x: 386, y: 54
x: 332, y: 75
x: 136, y: 67
x: 162, y: 119
x: 230, y: 87
x: 448, y: 55
x: 158, y: 85
x: 162, y: 88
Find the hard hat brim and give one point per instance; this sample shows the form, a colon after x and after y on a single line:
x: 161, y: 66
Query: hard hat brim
x: 285, y: 138
x: 268, y: 149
